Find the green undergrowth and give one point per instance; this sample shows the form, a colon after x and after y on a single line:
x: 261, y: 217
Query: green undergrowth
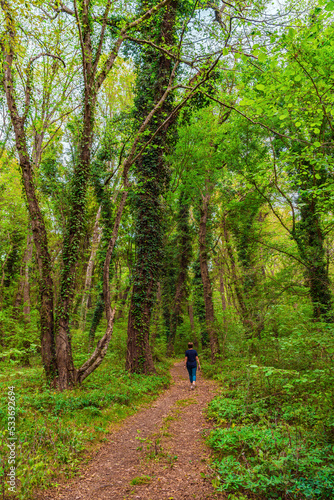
x: 56, y: 432
x: 273, y: 434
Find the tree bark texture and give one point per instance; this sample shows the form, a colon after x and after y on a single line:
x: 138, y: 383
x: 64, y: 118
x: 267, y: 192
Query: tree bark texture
x: 156, y: 315
x: 122, y: 304
x: 198, y: 301
x: 242, y: 309
x: 75, y: 229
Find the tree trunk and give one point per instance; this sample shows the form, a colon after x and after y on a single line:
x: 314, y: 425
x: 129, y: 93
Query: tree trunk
x: 100, y: 351
x: 35, y: 215
x: 156, y: 316
x: 154, y: 77
x: 309, y: 237
x: 90, y: 267
x: 207, y: 289
x: 120, y: 311
x: 192, y: 325
x: 310, y: 241
x: 242, y: 309
x: 26, y: 285
x: 139, y: 357
x: 222, y: 292
x: 198, y: 301
x: 75, y: 227
x: 191, y: 318
x: 24, y: 278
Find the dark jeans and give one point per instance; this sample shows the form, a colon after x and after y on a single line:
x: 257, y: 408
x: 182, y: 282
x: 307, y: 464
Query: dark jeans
x: 192, y: 373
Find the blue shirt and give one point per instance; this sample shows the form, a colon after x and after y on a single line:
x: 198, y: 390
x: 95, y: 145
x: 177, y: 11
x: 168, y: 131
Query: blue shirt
x: 191, y: 358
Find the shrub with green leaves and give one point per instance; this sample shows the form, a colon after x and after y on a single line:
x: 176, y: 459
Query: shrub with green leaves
x: 273, y: 461
x: 274, y: 429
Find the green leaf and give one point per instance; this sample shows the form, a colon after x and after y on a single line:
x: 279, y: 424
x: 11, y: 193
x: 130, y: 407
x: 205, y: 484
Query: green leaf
x: 244, y: 102
x: 298, y: 124
x: 317, y: 144
x: 329, y: 7
x: 262, y: 57
x: 259, y: 86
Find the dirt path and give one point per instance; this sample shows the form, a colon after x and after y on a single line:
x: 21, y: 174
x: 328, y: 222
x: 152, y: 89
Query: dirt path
x: 172, y: 462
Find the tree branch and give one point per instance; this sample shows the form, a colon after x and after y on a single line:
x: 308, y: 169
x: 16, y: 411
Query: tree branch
x: 97, y: 357
x: 28, y: 83
x: 254, y: 122
x: 104, y: 24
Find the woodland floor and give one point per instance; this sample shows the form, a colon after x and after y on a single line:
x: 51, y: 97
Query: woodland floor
x: 171, y: 433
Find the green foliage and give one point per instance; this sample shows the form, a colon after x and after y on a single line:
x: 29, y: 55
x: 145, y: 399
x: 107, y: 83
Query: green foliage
x: 57, y: 431
x: 198, y: 300
x: 183, y: 336
x: 140, y: 480
x: 274, y: 430
x: 257, y: 137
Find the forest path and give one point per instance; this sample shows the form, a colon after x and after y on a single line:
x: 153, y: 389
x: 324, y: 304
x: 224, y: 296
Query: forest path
x: 174, y: 455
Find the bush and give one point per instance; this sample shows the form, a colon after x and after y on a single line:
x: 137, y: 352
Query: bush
x: 274, y: 423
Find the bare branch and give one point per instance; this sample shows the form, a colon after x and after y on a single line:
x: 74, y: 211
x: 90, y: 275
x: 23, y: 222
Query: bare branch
x: 270, y: 204
x: 46, y: 54
x: 81, y: 40
x: 179, y: 106
x: 280, y: 250
x: 63, y: 8
x: 108, y: 63
x: 29, y: 77
x: 315, y: 88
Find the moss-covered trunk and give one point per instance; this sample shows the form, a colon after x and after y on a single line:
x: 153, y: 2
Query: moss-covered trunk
x: 154, y: 72
x: 309, y: 237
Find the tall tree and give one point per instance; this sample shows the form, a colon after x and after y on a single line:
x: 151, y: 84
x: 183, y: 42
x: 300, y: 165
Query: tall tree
x: 155, y: 74
x: 57, y: 353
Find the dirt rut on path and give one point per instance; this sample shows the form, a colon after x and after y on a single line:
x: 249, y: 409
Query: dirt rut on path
x: 158, y: 454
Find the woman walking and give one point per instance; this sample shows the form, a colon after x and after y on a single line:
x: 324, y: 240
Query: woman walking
x: 190, y: 362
